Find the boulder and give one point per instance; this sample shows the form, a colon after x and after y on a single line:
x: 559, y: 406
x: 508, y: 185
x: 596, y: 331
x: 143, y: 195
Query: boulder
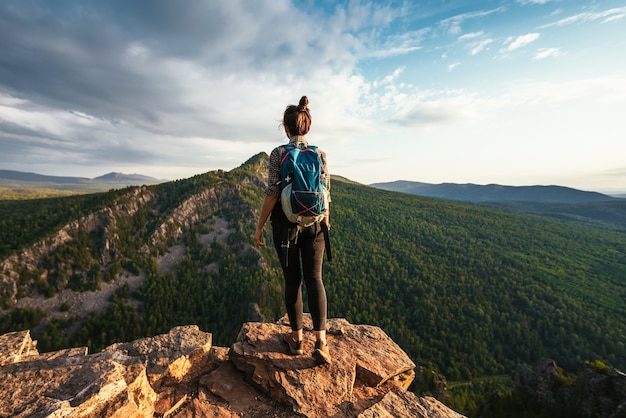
x: 104, y: 384
x: 366, y: 365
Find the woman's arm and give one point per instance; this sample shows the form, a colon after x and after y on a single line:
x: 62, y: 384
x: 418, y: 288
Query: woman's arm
x: 268, y: 206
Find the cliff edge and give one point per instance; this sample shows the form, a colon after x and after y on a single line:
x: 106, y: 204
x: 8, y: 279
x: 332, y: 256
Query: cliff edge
x: 181, y: 374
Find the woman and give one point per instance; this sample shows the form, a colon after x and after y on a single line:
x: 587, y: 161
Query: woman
x: 307, y: 248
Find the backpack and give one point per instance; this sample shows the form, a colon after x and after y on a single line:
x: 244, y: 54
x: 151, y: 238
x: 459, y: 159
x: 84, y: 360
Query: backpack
x: 304, y: 197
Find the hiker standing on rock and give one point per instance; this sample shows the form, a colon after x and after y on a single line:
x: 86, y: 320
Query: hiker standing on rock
x: 298, y: 184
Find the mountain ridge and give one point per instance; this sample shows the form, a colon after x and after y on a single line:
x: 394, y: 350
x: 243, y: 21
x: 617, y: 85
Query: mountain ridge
x: 494, y: 192
x: 7, y: 176
x: 557, y: 202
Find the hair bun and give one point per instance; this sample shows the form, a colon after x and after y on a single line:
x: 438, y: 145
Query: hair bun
x: 304, y: 102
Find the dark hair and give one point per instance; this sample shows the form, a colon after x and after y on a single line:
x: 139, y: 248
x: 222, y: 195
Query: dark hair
x: 297, y: 119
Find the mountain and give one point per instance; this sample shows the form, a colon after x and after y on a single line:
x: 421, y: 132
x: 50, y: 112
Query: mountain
x: 18, y: 176
x: 494, y: 192
x: 466, y: 290
x: 16, y: 185
x: 36, y: 180
x: 127, y: 179
x: 559, y: 202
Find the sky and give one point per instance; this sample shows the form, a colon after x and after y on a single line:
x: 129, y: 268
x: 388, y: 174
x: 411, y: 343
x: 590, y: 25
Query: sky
x: 511, y: 92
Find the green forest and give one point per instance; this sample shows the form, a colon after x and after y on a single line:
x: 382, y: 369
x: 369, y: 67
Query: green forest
x: 466, y: 290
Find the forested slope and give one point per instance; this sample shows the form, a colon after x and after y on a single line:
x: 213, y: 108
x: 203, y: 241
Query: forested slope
x: 462, y: 288
x: 473, y: 290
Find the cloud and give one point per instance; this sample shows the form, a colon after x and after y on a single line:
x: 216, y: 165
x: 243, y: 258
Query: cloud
x: 452, y: 25
x: 478, y: 47
x: 521, y: 41
x: 475, y: 44
x: 426, y: 109
x: 526, y: 2
x: 544, y: 53
x: 397, y: 44
x: 154, y: 72
x: 607, y: 90
x: 470, y: 36
x: 429, y: 110
x: 140, y: 65
x: 606, y: 16
x: 389, y: 78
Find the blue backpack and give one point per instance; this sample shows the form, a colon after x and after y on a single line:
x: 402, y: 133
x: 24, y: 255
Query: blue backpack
x: 304, y: 197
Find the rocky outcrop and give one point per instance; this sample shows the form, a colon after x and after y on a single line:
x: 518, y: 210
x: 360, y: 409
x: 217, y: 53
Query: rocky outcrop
x: 594, y: 391
x: 194, y: 209
x: 181, y: 374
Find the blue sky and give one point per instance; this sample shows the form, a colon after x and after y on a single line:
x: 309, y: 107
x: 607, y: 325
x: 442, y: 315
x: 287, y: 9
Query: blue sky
x: 517, y: 92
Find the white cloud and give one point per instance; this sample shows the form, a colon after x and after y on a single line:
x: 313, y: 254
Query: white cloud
x: 521, y: 41
x: 452, y: 25
x: 478, y: 47
x: 544, y: 53
x: 390, y: 78
x: 430, y: 109
x: 475, y: 44
x: 394, y: 45
x: 605, y: 16
x: 470, y: 36
x: 525, y: 2
x: 607, y: 90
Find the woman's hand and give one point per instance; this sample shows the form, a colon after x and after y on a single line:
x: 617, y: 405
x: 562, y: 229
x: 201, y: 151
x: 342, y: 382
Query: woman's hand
x: 268, y: 205
x: 258, y: 238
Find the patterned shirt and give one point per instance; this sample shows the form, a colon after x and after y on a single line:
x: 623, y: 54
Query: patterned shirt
x: 274, y: 183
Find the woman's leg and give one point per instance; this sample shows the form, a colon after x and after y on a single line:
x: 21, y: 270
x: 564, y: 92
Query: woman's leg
x: 293, y: 279
x: 312, y: 246
x: 312, y: 251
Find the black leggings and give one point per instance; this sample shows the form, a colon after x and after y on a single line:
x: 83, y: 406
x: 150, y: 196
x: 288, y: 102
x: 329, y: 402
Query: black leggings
x: 308, y: 248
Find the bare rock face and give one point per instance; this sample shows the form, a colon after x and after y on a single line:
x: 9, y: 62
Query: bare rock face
x: 364, y: 361
x: 180, y: 374
x: 181, y: 354
x: 104, y: 384
x: 16, y: 346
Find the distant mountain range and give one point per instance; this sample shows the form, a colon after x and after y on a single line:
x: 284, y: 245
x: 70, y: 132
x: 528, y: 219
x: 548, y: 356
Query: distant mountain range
x: 494, y: 192
x: 555, y: 201
x: 110, y: 179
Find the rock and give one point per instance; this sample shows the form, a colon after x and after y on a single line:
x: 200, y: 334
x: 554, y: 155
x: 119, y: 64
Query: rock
x: 16, y: 347
x: 406, y: 404
x: 105, y: 384
x: 180, y: 374
x: 182, y: 353
x: 254, y: 313
x: 366, y: 365
x: 594, y: 391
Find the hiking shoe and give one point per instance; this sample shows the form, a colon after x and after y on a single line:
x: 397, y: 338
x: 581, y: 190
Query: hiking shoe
x: 321, y: 353
x: 295, y: 347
